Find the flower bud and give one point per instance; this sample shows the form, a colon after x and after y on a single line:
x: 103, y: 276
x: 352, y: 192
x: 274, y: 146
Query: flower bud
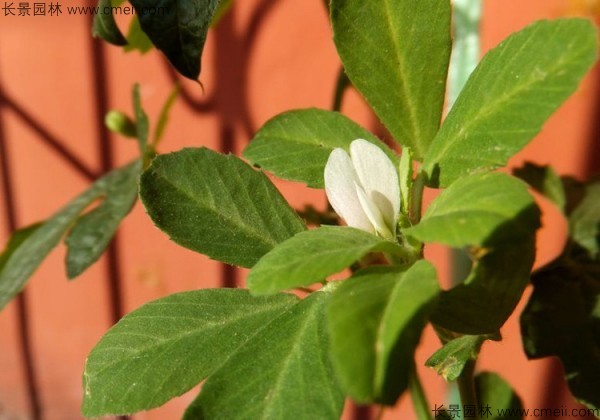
x: 119, y: 123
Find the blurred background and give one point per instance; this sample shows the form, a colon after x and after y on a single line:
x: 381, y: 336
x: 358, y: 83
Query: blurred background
x: 263, y: 58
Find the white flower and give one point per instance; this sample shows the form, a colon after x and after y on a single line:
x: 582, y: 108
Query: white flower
x: 363, y: 188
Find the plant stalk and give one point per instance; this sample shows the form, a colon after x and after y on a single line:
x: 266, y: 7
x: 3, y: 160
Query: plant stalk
x: 341, y: 85
x: 417, y: 394
x: 466, y: 387
x: 416, y: 199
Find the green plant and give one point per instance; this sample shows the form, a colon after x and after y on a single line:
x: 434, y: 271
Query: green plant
x: 272, y: 352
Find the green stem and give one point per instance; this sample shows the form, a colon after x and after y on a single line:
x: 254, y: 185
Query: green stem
x: 420, y: 403
x: 401, y: 258
x: 416, y: 199
x: 341, y: 85
x: 466, y: 386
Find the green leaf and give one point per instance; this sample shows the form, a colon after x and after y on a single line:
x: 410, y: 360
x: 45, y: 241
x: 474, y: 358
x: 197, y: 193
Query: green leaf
x: 163, y: 118
x: 104, y: 25
x: 545, y: 181
x: 178, y: 29
x: 141, y: 120
x: 497, y: 400
x: 313, y: 255
x: 450, y: 360
x: 20, y: 262
x: 217, y: 205
x: 295, y: 145
x: 137, y: 40
x: 375, y: 320
x: 15, y: 241
x: 284, y: 369
x: 584, y: 222
x: 477, y: 210
x: 484, y: 301
x: 495, y: 215
x: 93, y: 232
x: 513, y: 91
x: 396, y: 54
x: 562, y: 319
x: 168, y: 346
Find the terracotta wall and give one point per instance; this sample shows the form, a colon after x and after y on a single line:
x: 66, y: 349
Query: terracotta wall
x: 266, y: 57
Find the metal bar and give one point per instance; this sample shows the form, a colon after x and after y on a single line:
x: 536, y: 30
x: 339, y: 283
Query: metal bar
x: 21, y: 306
x: 105, y: 150
x: 48, y: 138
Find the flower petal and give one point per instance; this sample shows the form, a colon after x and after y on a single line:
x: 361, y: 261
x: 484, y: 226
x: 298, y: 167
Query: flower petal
x: 340, y: 178
x: 373, y: 213
x: 379, y: 179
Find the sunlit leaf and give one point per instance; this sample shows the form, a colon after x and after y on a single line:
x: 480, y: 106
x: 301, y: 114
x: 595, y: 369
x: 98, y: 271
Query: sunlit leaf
x: 375, y: 320
x: 514, y: 90
x: 476, y: 210
x: 396, y: 54
x: 284, y: 369
x: 313, y: 255
x: 493, y: 215
x: 295, y: 145
x: 168, y: 346
x: 217, y: 205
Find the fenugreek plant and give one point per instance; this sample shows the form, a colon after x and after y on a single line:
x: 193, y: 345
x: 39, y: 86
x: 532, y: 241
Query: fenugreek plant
x: 267, y: 352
